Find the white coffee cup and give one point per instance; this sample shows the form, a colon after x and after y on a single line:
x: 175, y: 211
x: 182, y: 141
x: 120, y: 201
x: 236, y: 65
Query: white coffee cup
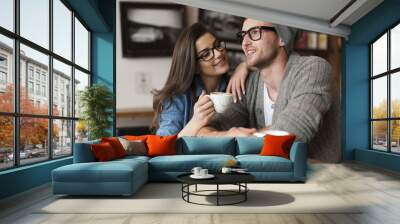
x: 196, y: 171
x: 221, y: 100
x: 203, y: 172
x: 226, y: 170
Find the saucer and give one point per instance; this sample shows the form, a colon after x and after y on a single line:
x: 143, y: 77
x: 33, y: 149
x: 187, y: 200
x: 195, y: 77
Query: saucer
x: 208, y: 176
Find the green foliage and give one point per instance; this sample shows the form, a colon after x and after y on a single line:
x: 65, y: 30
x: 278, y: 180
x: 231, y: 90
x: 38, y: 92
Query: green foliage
x: 96, y: 102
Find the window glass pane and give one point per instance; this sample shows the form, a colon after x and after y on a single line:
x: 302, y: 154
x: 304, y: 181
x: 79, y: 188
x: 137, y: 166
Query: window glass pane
x: 379, y: 135
x: 33, y: 139
x: 34, y: 97
x: 395, y: 47
x: 379, y: 55
x: 62, y: 89
x: 7, y: 14
x: 81, y: 45
x: 35, y: 21
x: 379, y: 97
x: 62, y: 138
x: 62, y: 29
x: 395, y: 94
x: 81, y: 81
x: 6, y: 142
x: 395, y: 138
x: 6, y: 74
x: 81, y: 131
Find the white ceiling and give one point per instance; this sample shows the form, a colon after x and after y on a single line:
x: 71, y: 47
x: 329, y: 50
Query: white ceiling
x: 321, y: 9
x: 315, y: 15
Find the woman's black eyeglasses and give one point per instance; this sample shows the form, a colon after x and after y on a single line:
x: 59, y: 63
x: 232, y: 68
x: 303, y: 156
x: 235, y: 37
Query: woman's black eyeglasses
x: 208, y: 53
x: 254, y: 32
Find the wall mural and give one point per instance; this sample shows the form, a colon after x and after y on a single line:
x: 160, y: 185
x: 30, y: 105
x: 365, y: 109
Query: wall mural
x: 150, y: 30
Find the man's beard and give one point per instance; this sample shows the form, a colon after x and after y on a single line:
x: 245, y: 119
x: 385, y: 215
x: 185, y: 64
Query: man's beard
x: 261, y: 63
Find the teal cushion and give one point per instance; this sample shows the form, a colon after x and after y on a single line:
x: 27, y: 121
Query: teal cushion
x: 185, y: 163
x: 206, y: 145
x: 83, y: 152
x: 111, y: 171
x: 257, y: 163
x: 133, y: 158
x: 249, y: 145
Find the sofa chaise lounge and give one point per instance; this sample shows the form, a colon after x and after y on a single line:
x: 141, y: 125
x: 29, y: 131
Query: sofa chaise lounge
x: 126, y: 175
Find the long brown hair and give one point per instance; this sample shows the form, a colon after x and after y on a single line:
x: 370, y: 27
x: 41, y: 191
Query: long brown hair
x: 182, y: 71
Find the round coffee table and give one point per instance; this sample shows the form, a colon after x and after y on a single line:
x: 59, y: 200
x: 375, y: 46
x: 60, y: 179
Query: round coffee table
x: 238, y: 179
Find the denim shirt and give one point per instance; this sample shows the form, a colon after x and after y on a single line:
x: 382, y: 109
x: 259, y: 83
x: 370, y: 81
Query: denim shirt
x: 178, y: 111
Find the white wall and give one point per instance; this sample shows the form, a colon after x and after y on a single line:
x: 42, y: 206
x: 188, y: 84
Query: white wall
x: 136, y: 77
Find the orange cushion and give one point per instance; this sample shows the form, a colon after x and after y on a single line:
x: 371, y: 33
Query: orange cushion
x: 116, y: 145
x: 277, y: 145
x: 161, y: 145
x: 103, y: 151
x: 134, y: 138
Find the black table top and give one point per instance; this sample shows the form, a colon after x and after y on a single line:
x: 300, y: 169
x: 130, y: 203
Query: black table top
x: 220, y: 178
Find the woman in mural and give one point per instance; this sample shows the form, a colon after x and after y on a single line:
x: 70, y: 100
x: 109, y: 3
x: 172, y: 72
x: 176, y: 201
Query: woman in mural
x: 199, y: 66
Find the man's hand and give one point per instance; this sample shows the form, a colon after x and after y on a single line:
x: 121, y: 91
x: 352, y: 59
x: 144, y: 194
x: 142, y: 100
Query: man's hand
x: 236, y: 132
x: 264, y: 129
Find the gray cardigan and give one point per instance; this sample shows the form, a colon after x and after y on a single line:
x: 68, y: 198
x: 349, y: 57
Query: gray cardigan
x: 307, y: 106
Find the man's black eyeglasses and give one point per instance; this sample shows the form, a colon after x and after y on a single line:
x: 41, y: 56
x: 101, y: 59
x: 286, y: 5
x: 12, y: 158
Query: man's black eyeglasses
x: 254, y: 32
x: 208, y: 53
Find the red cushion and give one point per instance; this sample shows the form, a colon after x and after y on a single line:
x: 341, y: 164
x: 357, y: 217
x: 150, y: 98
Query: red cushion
x: 134, y: 138
x: 161, y: 145
x: 277, y: 145
x: 116, y: 145
x: 103, y: 152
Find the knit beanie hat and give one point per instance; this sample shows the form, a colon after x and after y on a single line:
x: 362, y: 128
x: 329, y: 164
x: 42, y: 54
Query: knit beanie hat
x: 288, y: 35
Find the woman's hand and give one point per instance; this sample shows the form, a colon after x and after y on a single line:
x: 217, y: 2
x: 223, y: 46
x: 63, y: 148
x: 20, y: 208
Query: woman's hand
x: 203, y: 111
x: 236, y: 84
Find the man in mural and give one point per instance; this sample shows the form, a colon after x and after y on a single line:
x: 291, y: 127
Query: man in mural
x: 287, y: 92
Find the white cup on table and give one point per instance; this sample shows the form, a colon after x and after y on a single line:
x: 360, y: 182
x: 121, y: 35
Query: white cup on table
x: 203, y: 172
x: 196, y: 170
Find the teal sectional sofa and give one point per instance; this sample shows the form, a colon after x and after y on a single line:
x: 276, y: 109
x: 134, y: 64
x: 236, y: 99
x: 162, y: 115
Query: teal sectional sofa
x: 125, y: 176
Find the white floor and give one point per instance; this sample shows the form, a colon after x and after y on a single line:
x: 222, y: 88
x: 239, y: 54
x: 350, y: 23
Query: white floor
x: 376, y: 188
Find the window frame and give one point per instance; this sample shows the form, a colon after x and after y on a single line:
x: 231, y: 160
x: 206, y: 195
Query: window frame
x: 3, y: 69
x: 5, y: 58
x: 3, y: 74
x: 388, y: 74
x: 16, y: 114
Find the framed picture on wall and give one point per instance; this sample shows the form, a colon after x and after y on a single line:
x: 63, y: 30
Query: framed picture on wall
x: 150, y: 29
x: 225, y: 26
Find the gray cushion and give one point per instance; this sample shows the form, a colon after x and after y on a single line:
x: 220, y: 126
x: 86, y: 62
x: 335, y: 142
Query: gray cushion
x: 135, y: 147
